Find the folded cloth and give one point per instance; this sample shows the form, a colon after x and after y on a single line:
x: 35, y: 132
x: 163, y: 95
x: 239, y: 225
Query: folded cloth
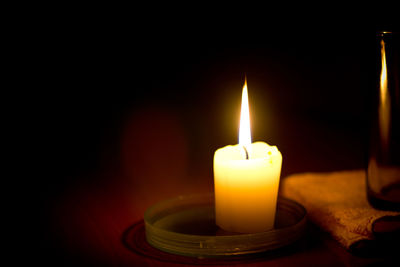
x: 337, y: 203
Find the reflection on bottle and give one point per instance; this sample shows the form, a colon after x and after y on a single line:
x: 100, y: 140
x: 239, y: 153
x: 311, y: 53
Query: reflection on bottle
x: 384, y: 102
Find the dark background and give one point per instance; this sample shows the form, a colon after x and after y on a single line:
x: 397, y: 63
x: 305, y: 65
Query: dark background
x: 299, y: 77
x: 152, y: 100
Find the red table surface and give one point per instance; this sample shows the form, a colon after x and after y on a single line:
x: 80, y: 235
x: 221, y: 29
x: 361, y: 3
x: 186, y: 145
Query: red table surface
x: 101, y: 222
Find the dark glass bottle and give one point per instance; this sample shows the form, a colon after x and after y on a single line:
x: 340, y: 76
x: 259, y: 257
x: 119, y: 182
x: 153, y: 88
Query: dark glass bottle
x: 383, y: 174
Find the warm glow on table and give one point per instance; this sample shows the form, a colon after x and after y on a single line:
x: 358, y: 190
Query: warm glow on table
x: 246, y: 190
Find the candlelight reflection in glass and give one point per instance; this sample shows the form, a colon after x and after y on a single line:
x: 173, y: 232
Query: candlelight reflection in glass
x: 383, y: 175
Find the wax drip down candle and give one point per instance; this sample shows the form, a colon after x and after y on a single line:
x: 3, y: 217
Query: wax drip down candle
x: 246, y: 181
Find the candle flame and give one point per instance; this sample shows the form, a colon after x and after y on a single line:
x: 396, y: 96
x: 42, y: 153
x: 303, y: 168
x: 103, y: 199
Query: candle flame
x: 244, y: 129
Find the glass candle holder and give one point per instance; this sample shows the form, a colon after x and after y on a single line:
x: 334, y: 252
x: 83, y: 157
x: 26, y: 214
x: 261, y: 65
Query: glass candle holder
x: 383, y: 174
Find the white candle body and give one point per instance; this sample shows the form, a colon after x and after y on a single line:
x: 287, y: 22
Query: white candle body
x: 246, y: 191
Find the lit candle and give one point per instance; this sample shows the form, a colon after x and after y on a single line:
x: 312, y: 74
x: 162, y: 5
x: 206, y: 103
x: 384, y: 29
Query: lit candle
x: 246, y: 181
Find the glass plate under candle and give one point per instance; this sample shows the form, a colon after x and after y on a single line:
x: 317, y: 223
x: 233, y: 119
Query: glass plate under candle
x: 186, y: 226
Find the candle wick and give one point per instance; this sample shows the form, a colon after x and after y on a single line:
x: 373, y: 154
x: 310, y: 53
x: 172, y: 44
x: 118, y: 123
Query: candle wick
x: 247, y: 153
